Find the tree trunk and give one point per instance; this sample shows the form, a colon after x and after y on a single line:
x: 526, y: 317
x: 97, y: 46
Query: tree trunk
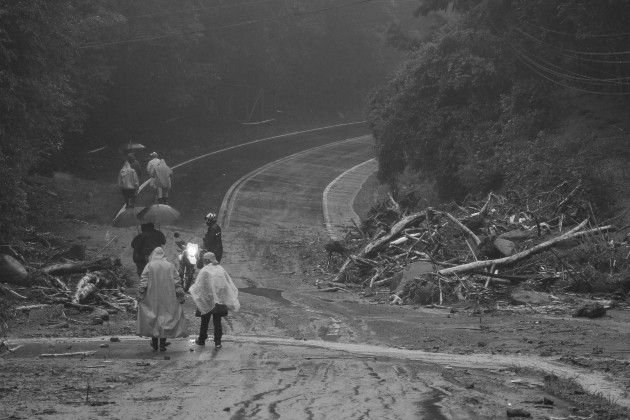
x: 380, y: 242
x: 573, y: 233
x: 79, y: 267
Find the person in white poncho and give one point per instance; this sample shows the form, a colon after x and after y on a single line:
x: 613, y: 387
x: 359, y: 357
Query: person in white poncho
x: 160, y: 299
x: 214, y: 294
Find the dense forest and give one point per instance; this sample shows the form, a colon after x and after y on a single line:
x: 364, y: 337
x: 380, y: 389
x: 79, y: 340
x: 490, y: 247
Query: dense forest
x: 106, y: 72
x: 476, y: 105
x: 481, y: 105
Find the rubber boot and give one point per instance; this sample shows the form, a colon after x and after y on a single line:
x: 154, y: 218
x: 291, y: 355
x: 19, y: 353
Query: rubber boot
x: 154, y: 343
x: 162, y: 344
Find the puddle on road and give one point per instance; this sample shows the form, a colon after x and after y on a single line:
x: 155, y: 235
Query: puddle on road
x: 273, y: 294
x: 432, y: 408
x: 179, y: 349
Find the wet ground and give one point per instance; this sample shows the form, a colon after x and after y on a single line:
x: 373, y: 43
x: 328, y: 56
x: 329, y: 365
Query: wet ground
x: 294, y: 351
x: 260, y: 378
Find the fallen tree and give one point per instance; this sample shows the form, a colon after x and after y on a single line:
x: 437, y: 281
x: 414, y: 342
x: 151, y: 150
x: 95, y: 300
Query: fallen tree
x: 573, y: 233
x: 382, y: 241
x: 82, y: 266
x: 469, y: 243
x: 90, y: 284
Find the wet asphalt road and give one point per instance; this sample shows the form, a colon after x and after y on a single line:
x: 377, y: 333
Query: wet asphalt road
x: 202, y: 184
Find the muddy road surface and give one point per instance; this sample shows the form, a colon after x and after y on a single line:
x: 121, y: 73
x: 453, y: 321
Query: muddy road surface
x: 293, y: 351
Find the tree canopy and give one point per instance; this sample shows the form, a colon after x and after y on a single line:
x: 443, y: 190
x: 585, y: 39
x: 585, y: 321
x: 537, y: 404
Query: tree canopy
x: 115, y: 70
x: 487, y: 79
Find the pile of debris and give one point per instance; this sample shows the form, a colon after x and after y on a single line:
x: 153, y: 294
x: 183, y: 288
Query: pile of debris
x: 37, y: 272
x: 488, y: 251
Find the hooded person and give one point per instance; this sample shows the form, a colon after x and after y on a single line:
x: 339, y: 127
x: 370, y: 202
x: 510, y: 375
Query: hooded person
x: 152, y: 163
x: 144, y: 243
x: 212, y: 241
x: 162, y: 181
x: 214, y: 293
x: 128, y: 182
x: 160, y: 300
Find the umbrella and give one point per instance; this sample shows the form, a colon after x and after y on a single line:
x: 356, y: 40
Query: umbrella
x: 159, y: 214
x: 127, y: 218
x: 130, y: 147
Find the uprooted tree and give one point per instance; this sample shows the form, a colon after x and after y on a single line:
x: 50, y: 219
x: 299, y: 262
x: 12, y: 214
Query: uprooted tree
x: 473, y: 251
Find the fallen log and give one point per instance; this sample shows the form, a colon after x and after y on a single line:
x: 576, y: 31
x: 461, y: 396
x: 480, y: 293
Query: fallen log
x: 333, y: 284
x: 76, y: 353
x: 79, y: 267
x: 464, y: 228
x: 334, y: 289
x: 84, y: 292
x: 79, y: 306
x: 513, y: 279
x: 90, y: 284
x: 104, y: 301
x: 13, y: 272
x: 496, y: 280
x: 379, y: 243
x: 11, y: 292
x: 521, y: 255
x: 371, y: 248
x: 29, y: 307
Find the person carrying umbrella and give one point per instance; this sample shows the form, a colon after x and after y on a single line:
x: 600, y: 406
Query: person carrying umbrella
x: 134, y: 163
x: 144, y: 243
x: 129, y: 183
x: 214, y: 293
x: 160, y: 300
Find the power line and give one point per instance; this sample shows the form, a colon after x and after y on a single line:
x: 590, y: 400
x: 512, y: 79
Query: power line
x: 235, y: 25
x: 563, y: 50
x: 556, y: 82
x: 575, y: 34
x: 569, y: 50
x: 540, y: 70
x: 552, y: 75
x: 567, y: 76
x: 576, y: 75
x: 199, y: 9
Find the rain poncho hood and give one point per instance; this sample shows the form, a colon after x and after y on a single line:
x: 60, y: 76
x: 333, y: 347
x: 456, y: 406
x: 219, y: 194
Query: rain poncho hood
x: 162, y: 175
x: 153, y: 163
x: 159, y: 312
x: 127, y: 177
x: 214, y: 285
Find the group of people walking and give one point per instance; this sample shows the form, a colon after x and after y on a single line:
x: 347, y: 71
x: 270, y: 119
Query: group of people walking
x: 161, y: 294
x: 129, y: 178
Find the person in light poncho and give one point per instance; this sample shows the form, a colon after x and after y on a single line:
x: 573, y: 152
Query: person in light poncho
x: 160, y: 299
x: 162, y: 181
x: 128, y: 183
x: 214, y: 293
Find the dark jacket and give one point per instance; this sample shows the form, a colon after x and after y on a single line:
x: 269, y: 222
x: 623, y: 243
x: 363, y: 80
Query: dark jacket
x: 212, y: 241
x: 135, y: 165
x: 144, y: 243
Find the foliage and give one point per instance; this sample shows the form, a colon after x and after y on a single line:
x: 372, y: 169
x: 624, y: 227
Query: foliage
x: 477, y: 101
x: 107, y: 71
x: 435, y: 112
x: 43, y: 93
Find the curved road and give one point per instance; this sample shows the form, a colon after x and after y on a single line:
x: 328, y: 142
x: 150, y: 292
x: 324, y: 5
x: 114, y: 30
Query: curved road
x: 292, y: 352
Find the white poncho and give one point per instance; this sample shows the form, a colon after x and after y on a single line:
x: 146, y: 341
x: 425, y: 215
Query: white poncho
x: 162, y: 177
x: 214, y: 285
x: 160, y: 314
